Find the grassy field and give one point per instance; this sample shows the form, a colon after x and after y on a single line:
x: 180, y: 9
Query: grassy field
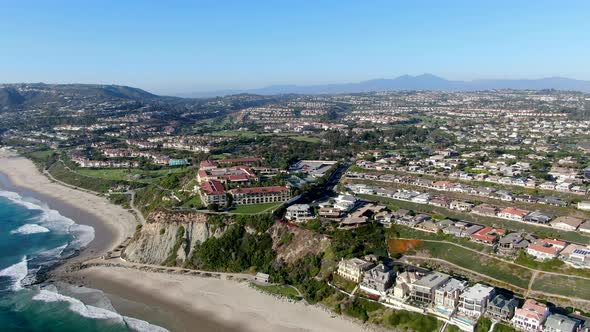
x: 61, y: 173
x: 566, y: 286
x: 488, y: 221
x: 254, y: 208
x: 279, y: 290
x: 137, y: 175
x: 469, y: 260
x: 343, y: 284
x: 252, y: 134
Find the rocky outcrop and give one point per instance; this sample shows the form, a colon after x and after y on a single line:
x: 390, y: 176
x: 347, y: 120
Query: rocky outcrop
x: 170, y: 237
x: 293, y: 243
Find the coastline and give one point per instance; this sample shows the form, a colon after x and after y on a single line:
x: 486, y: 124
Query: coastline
x: 176, y: 302
x: 112, y: 224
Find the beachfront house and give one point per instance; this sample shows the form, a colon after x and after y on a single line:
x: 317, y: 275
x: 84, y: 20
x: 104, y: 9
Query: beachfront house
x: 423, y: 290
x: 446, y: 297
x: 473, y: 300
x: 377, y: 280
x: 501, y: 307
x: 531, y: 316
x: 561, y: 323
x: 353, y: 269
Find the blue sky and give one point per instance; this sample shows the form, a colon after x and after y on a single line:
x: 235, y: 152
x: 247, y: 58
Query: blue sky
x: 187, y: 46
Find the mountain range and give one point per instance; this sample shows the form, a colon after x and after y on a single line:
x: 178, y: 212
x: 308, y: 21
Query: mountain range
x: 407, y: 82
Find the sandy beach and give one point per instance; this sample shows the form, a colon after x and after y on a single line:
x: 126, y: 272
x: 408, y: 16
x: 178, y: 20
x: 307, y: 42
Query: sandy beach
x: 235, y: 306
x: 176, y: 302
x: 111, y: 223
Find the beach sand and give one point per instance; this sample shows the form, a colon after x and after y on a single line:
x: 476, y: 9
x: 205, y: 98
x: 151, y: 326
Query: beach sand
x: 234, y: 306
x: 111, y: 223
x: 176, y: 302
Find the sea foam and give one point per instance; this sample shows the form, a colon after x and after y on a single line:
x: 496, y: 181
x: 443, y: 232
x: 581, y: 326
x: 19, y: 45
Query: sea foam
x: 52, y: 220
x: 30, y: 229
x: 94, y: 312
x: 17, y: 273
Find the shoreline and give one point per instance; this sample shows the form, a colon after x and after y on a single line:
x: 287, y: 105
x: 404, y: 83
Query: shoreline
x: 176, y: 302
x: 112, y: 223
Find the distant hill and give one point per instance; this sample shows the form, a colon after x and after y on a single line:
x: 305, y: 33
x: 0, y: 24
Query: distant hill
x: 16, y: 96
x: 407, y: 82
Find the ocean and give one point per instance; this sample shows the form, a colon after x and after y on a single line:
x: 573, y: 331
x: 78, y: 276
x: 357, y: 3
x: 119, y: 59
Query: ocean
x: 33, y: 239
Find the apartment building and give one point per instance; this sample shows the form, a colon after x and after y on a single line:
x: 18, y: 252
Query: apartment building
x: 260, y: 195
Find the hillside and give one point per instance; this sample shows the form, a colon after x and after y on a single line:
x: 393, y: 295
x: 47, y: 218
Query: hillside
x: 15, y: 97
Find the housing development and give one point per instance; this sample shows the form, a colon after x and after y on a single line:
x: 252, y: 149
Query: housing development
x: 409, y: 210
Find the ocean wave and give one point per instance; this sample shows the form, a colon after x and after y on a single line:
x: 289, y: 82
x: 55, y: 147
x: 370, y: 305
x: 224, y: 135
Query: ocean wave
x: 17, y: 273
x: 78, y: 306
x: 53, y: 220
x: 94, y: 312
x: 30, y: 229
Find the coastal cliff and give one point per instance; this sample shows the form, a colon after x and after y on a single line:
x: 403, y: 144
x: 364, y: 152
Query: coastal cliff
x: 169, y: 238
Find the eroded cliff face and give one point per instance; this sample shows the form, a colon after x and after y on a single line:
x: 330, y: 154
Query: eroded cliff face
x: 170, y: 237
x: 292, y: 243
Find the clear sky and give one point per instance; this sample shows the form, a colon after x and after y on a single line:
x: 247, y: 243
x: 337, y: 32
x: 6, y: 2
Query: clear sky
x: 187, y: 46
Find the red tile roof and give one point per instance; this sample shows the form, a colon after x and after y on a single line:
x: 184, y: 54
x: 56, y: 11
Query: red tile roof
x: 515, y: 211
x: 213, y: 187
x: 260, y: 190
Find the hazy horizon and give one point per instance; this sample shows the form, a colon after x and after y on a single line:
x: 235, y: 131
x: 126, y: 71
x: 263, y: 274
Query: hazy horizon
x: 186, y: 47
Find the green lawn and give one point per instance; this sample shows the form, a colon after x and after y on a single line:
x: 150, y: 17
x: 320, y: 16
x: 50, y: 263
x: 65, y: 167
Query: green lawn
x: 307, y: 139
x: 61, y: 173
x: 279, y: 290
x: 344, y: 284
x: 470, y: 260
x: 254, y: 208
x: 566, y: 286
x: 138, y: 175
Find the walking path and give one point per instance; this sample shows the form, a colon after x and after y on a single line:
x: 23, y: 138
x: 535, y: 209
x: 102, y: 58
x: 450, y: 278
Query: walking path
x: 504, y: 260
x: 524, y: 291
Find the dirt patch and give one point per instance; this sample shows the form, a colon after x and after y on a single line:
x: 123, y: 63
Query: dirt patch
x: 397, y: 246
x: 292, y: 243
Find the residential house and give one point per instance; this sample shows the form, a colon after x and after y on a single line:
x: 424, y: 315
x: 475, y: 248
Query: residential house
x: 537, y: 217
x: 546, y: 249
x: 404, y: 283
x: 377, y: 280
x: 487, y: 235
x: 513, y: 242
x: 440, y: 202
x: 485, y: 210
x: 531, y: 316
x: 461, y: 206
x: 501, y: 307
x: 473, y: 300
x: 423, y: 290
x: 353, y: 269
x: 299, y: 212
x: 446, y: 297
x: 567, y: 223
x: 561, y: 323
x: 512, y: 213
